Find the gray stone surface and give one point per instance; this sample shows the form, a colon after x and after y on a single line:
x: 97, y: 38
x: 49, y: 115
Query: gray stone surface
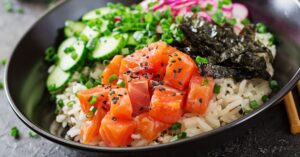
x: 270, y: 137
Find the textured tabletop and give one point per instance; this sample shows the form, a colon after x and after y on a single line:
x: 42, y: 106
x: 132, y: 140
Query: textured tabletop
x: 270, y: 137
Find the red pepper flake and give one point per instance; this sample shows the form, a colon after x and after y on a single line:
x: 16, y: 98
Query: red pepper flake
x: 179, y: 82
x: 141, y: 108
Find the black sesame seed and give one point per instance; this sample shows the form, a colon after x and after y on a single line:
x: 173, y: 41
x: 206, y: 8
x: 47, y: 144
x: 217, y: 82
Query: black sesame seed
x: 114, y: 118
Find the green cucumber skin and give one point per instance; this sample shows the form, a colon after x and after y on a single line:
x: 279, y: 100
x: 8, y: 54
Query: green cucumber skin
x: 62, y: 87
x: 111, y: 54
x: 81, y: 57
x: 73, y: 27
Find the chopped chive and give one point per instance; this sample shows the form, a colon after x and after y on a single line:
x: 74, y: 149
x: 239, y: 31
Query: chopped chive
x: 50, y: 55
x: 93, y: 109
x: 33, y: 134
x: 1, y: 85
x: 253, y: 104
x: 74, y: 55
x: 209, y: 7
x: 69, y: 49
x: 3, y: 61
x: 8, y: 6
x: 176, y: 126
x: 245, y: 22
x: 20, y: 10
x: 201, y: 60
x: 84, y: 38
x: 70, y: 104
x: 93, y: 100
x: 227, y: 2
x: 218, y: 17
x: 14, y: 132
x: 261, y: 28
x: 231, y: 21
x: 273, y: 84
x: 181, y: 135
x: 271, y: 40
x: 89, y: 84
x: 106, y: 62
x: 112, y: 78
x: 265, y: 98
x: 195, y: 9
x: 217, y: 89
x: 121, y: 83
x: 60, y: 103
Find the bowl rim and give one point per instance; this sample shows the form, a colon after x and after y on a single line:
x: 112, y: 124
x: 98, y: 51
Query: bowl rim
x: 273, y: 100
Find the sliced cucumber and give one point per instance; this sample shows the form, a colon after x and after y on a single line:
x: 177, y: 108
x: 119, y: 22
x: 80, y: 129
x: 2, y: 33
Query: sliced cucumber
x: 108, y: 46
x: 68, y: 61
x: 97, y: 13
x: 58, y: 79
x: 90, y: 33
x: 73, y: 27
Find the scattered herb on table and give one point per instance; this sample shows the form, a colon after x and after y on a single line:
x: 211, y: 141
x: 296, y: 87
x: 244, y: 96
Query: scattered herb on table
x: 3, y: 61
x: 33, y: 134
x: 14, y: 132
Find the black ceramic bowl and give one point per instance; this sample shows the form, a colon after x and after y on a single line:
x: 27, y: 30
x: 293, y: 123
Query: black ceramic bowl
x: 26, y: 72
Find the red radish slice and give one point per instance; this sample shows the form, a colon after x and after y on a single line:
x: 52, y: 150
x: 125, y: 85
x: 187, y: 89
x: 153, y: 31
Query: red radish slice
x: 160, y: 4
x: 239, y: 11
x: 205, y: 16
x: 227, y: 8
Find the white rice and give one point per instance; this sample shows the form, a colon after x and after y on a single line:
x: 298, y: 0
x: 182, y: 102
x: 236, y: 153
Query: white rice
x: 224, y: 108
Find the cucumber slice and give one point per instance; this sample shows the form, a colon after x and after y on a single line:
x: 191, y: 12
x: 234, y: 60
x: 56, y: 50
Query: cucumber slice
x: 97, y: 13
x: 90, y: 33
x: 58, y: 79
x: 68, y: 61
x: 73, y: 27
x: 108, y: 46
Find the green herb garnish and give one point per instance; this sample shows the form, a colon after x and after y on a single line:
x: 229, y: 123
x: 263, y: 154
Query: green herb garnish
x: 218, y: 17
x: 176, y: 126
x: 93, y: 100
x: 20, y: 10
x: 112, y: 78
x: 231, y: 21
x: 91, y: 45
x: 14, y: 132
x: 273, y: 84
x: 195, y: 9
x: 253, y: 104
x: 217, y: 89
x: 181, y: 135
x: 201, y: 60
x: 1, y: 85
x: 3, y: 61
x: 261, y: 28
x: 60, y: 103
x: 69, y: 49
x: 89, y: 84
x: 8, y: 6
x: 121, y: 83
x: 50, y: 55
x: 33, y: 134
x: 265, y: 98
x: 209, y: 7
x: 245, y: 22
x: 70, y: 104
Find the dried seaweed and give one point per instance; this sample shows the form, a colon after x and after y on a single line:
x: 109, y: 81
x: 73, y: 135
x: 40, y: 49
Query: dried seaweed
x: 229, y: 55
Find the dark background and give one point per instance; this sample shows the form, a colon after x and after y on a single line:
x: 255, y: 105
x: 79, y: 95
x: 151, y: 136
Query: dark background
x: 269, y: 134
